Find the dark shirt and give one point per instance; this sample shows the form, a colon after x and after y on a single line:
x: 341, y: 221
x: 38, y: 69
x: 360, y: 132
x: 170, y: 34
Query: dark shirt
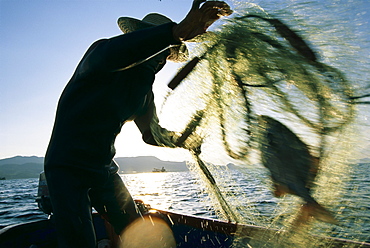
x: 101, y: 96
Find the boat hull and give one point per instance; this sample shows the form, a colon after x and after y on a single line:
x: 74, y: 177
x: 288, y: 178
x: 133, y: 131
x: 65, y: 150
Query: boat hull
x: 188, y: 231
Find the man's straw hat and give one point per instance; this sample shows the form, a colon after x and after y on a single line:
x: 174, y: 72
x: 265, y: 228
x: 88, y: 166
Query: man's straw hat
x: 127, y: 24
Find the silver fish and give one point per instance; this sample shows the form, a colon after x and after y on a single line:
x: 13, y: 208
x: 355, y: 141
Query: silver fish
x: 292, y: 167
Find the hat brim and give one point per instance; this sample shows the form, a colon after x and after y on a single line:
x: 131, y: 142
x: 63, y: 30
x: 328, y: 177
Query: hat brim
x: 178, y: 54
x: 128, y: 24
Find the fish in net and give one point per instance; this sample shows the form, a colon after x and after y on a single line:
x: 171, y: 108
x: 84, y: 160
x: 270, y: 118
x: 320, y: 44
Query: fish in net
x: 255, y: 67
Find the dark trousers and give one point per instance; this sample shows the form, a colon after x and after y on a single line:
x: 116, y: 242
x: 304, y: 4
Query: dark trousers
x: 74, y: 192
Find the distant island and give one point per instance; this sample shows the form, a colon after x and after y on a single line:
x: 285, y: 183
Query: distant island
x: 21, y: 167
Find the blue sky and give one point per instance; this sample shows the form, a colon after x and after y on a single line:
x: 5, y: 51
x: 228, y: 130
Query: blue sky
x: 42, y: 41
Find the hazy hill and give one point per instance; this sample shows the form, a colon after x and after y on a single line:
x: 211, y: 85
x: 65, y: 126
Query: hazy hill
x: 30, y: 167
x: 15, y: 171
x: 364, y: 161
x: 22, y: 160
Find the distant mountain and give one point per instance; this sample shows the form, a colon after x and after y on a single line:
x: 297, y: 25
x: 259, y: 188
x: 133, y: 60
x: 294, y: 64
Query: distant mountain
x: 22, y: 160
x: 30, y: 167
x: 17, y: 171
x: 21, y: 167
x: 364, y: 161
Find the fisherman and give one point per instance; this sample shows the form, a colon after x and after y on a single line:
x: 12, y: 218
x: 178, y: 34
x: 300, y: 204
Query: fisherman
x: 112, y: 85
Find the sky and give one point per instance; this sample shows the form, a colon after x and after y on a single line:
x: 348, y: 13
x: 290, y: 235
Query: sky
x: 41, y: 42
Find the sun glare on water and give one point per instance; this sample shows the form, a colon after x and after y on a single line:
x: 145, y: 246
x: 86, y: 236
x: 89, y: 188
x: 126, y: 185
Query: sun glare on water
x: 150, y: 188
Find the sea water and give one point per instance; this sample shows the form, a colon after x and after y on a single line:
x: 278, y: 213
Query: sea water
x: 173, y: 191
x: 181, y: 192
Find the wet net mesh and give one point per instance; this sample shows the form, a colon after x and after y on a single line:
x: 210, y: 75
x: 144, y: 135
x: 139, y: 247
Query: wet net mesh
x: 254, y: 65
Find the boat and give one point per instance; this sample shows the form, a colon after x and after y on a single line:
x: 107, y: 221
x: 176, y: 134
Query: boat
x: 187, y: 231
x: 159, y: 170
x: 2, y: 178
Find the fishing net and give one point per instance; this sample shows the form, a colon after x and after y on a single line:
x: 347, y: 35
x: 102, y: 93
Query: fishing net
x: 254, y: 65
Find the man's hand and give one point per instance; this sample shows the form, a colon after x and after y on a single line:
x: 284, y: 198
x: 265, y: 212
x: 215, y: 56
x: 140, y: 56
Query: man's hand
x: 199, y: 19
